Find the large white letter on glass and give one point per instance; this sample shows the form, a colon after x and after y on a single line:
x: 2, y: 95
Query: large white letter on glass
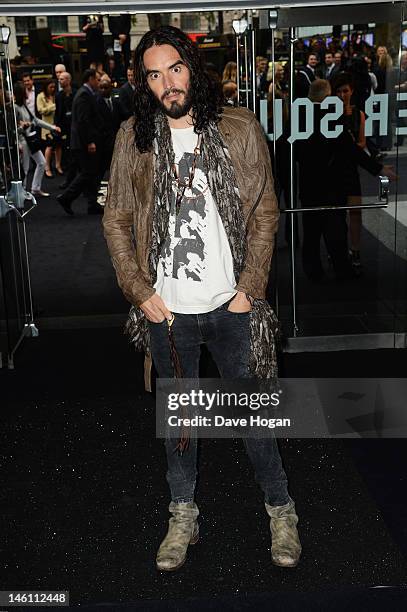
x: 402, y: 112
x: 295, y: 119
x: 332, y: 116
x: 380, y: 115
x: 279, y: 117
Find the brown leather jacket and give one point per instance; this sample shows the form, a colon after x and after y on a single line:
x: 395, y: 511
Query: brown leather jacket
x: 129, y: 206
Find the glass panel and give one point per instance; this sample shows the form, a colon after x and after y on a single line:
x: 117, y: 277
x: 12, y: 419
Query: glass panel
x: 318, y: 289
x: 190, y: 22
x: 58, y: 24
x: 24, y: 24
x: 337, y: 268
x: 400, y: 208
x: 166, y: 19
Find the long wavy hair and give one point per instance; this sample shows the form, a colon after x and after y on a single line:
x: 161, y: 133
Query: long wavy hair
x: 230, y: 72
x: 205, y: 95
x: 20, y: 93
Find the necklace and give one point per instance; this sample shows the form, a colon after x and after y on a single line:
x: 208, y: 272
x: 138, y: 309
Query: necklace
x: 180, y: 185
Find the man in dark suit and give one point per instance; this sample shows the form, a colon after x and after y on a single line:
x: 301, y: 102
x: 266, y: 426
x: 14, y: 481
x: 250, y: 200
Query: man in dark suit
x: 305, y: 76
x: 86, y: 145
x: 126, y: 93
x: 338, y: 61
x: 261, y: 75
x: 63, y: 119
x: 329, y: 67
x: 109, y: 109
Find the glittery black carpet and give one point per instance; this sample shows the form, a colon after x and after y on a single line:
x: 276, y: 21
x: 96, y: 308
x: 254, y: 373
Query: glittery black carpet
x: 85, y: 498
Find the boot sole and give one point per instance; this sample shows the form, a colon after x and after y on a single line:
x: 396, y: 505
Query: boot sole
x: 194, y: 540
x: 285, y: 564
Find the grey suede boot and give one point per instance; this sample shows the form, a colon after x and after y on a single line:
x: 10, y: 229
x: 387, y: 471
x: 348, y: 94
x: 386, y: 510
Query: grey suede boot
x: 183, y: 530
x: 285, y: 543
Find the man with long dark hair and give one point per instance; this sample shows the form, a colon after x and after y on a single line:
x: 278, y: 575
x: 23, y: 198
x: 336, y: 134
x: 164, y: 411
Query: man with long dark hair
x: 190, y: 220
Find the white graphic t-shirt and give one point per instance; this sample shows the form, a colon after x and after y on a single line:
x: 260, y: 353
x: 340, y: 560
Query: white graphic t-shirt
x: 195, y: 270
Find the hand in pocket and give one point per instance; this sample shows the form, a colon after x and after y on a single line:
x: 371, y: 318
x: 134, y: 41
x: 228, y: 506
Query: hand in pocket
x: 240, y: 304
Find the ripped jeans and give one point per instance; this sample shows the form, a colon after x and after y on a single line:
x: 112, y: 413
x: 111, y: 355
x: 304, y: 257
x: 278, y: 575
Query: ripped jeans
x: 227, y: 337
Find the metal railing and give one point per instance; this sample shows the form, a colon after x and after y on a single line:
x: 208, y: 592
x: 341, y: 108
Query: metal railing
x: 16, y: 304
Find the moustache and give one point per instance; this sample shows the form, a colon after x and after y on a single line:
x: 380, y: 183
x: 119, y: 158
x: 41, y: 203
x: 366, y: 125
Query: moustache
x: 169, y: 92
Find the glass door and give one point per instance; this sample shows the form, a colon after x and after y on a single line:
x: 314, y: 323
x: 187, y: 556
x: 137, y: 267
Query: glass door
x: 335, y: 111
x: 400, y: 201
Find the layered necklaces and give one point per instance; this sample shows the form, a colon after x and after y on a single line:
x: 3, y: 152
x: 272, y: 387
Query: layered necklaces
x: 181, y: 185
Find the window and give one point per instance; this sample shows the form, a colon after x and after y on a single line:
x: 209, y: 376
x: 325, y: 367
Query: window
x: 166, y: 19
x: 191, y: 22
x: 58, y: 24
x: 24, y: 24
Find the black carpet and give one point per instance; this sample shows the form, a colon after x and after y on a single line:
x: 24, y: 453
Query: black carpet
x: 86, y: 499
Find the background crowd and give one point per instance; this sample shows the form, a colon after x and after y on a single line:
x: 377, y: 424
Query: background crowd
x: 69, y: 130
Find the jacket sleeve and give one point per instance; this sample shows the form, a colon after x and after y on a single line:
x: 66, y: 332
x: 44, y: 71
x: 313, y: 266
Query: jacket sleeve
x: 262, y: 223
x: 42, y: 124
x: 41, y: 103
x: 118, y: 221
x: 19, y: 117
x: 44, y: 107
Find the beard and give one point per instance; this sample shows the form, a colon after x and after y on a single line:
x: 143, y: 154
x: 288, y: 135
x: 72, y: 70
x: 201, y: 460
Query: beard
x: 176, y: 110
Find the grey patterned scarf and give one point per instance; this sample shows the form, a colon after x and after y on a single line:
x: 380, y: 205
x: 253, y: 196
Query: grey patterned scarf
x: 264, y: 328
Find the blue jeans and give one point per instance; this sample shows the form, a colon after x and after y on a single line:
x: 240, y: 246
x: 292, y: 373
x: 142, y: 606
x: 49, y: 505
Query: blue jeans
x: 227, y: 337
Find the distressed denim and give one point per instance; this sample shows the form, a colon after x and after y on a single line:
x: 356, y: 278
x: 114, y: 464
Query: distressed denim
x: 227, y: 337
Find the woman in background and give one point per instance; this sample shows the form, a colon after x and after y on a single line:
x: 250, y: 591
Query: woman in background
x: 230, y: 72
x: 354, y: 120
x: 26, y: 126
x: 384, y: 71
x: 46, y: 107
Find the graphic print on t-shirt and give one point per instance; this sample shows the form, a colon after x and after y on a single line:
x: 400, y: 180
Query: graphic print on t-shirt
x: 184, y: 252
x: 195, y: 271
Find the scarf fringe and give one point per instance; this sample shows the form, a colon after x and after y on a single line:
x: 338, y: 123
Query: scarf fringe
x: 136, y: 328
x: 265, y: 335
